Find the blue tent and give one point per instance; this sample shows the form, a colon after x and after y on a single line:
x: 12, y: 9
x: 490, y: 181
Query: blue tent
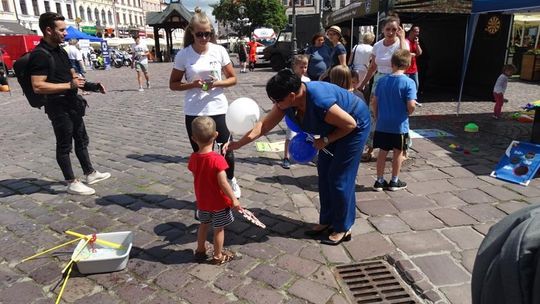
x: 74, y: 33
x: 484, y: 6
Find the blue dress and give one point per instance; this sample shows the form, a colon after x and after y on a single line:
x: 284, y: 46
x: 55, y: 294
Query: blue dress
x: 337, y: 173
x: 319, y: 60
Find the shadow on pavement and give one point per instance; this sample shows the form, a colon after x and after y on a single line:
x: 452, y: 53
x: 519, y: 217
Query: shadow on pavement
x: 137, y: 201
x: 158, y: 158
x: 21, y: 186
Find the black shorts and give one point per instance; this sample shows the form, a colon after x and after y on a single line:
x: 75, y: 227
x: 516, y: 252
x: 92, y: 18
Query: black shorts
x: 390, y: 141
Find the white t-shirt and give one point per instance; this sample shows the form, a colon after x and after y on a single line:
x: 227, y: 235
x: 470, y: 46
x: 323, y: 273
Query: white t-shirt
x: 74, y: 53
x: 362, y: 54
x: 500, y: 84
x: 305, y: 79
x: 383, y: 55
x: 139, y: 50
x: 199, y: 67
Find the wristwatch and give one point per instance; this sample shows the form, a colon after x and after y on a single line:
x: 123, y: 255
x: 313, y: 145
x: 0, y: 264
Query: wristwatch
x: 325, y: 140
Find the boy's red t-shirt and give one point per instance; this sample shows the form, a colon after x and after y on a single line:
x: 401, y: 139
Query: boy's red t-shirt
x: 205, y: 168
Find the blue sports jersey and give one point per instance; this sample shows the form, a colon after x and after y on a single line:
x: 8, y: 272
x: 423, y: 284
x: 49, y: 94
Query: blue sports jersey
x: 393, y: 92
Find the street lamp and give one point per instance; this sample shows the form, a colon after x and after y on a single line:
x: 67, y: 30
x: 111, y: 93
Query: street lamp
x: 294, y: 46
x: 243, y: 21
x: 324, y: 6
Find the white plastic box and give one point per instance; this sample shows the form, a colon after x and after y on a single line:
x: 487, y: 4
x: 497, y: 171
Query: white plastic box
x: 99, y: 258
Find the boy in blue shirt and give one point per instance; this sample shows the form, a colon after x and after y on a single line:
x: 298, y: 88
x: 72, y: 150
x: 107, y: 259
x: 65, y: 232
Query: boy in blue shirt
x: 394, y: 101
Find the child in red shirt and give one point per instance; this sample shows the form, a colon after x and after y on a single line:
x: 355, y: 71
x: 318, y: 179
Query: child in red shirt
x: 215, y: 197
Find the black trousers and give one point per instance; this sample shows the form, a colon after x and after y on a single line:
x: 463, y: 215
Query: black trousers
x: 69, y: 127
x: 224, y: 135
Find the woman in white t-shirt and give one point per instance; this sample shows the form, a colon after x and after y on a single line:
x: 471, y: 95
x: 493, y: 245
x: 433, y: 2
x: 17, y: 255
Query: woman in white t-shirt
x: 361, y: 56
x: 394, y: 39
x: 203, y: 64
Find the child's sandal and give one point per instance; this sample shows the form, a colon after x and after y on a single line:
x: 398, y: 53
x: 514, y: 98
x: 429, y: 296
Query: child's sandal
x: 226, y: 256
x: 200, y: 257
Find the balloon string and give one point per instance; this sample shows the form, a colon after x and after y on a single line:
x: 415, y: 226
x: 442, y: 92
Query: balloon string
x: 312, y: 139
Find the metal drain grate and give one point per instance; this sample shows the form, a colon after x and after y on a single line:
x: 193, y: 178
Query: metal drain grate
x: 375, y: 282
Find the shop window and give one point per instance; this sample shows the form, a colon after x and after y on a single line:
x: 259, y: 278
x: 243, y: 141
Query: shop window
x: 47, y: 6
x: 35, y: 7
x: 96, y: 15
x: 5, y: 6
x: 103, y: 19
x: 109, y: 15
x: 24, y: 10
x: 81, y: 12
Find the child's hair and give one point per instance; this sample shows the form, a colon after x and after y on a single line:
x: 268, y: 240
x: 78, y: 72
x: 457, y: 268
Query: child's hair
x: 401, y: 59
x: 340, y: 75
x: 299, y: 59
x: 354, y: 75
x: 509, y: 67
x: 198, y: 17
x: 368, y: 38
x: 203, y: 129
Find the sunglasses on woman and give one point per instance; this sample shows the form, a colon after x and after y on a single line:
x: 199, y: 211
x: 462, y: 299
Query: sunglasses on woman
x: 203, y: 34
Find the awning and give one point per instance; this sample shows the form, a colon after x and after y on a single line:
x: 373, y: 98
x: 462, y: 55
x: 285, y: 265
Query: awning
x: 434, y: 6
x: 13, y: 28
x: 352, y: 11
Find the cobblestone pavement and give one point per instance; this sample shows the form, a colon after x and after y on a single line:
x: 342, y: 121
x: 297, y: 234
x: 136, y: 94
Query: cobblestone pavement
x: 429, y: 231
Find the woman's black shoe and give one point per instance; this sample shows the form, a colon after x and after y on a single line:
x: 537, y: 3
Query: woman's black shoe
x: 316, y: 232
x: 345, y: 238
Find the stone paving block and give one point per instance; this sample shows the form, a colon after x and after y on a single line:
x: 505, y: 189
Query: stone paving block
x: 314, y: 253
x: 369, y: 245
x: 441, y: 269
x: 412, y: 203
x: 258, y: 294
x: 261, y: 251
x: 205, y: 272
x: 134, y: 292
x: 475, y: 196
x: 145, y: 267
x: 510, y: 207
x: 420, y: 220
x: 428, y: 175
x: 101, y: 298
x: 468, y: 182
x: 484, y: 227
x: 446, y: 199
x: 297, y: 265
x: 467, y: 259
x: 457, y: 172
x: 197, y: 293
x: 525, y: 191
x: 173, y: 280
x: 453, y: 217
x: 464, y: 237
x: 81, y: 287
x: 389, y: 224
x: 23, y: 292
x: 325, y: 276
x: 501, y: 193
x: 421, y: 242
x: 229, y: 280
x: 430, y: 187
x: 271, y: 275
x: 376, y: 207
x: 484, y: 212
x: 335, y: 254
x: 311, y: 291
x: 458, y: 294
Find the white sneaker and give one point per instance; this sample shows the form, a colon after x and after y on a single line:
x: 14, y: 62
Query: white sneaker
x: 235, y: 187
x: 96, y: 176
x: 141, y: 89
x: 76, y: 187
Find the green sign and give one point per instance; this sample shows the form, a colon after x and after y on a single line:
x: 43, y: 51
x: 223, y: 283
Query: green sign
x: 352, y: 11
x: 90, y: 30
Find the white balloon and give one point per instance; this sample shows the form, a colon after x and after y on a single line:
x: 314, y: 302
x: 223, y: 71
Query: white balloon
x: 242, y: 115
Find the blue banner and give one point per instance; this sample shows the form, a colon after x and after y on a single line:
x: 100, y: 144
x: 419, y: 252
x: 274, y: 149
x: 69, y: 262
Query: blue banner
x: 519, y: 163
x: 106, y: 55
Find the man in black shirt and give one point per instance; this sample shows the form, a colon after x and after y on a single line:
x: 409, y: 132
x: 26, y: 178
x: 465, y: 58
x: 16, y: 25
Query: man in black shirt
x: 64, y: 107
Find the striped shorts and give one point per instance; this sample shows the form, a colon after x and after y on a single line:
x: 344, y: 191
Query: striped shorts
x: 218, y: 219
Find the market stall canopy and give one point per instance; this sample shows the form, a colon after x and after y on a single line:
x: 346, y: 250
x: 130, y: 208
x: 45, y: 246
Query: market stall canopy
x: 13, y: 28
x: 483, y: 6
x: 73, y: 33
x: 433, y: 6
x: 352, y: 11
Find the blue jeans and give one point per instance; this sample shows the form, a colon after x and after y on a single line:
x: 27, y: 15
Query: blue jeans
x: 337, y: 179
x: 414, y: 77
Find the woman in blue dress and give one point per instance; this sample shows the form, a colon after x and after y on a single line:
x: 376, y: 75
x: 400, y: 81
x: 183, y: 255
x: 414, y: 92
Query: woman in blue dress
x: 342, y: 122
x: 319, y: 57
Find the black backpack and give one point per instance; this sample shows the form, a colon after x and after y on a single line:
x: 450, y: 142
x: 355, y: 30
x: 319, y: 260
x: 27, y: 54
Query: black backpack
x: 507, y: 265
x: 22, y: 71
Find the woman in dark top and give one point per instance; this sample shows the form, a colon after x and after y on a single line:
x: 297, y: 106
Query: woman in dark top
x: 319, y: 59
x: 339, y: 53
x: 342, y: 121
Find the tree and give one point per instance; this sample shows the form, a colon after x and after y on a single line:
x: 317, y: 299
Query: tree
x: 261, y: 13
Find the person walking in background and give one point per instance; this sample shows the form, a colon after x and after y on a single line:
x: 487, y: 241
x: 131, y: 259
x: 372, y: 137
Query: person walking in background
x: 319, y: 57
x: 214, y: 195
x: 252, y: 45
x: 299, y: 65
x: 242, y: 54
x: 361, y: 57
x: 203, y: 64
x: 500, y: 88
x: 393, y: 101
x: 140, y: 60
x: 64, y: 107
x: 339, y: 53
x: 413, y: 40
x: 342, y: 121
x: 75, y: 57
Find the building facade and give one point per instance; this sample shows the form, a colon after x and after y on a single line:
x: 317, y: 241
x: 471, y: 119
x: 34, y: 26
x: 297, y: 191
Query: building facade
x: 303, y: 7
x: 26, y: 12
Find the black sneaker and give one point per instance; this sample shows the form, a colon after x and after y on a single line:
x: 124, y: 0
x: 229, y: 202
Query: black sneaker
x: 395, y: 186
x: 378, y: 186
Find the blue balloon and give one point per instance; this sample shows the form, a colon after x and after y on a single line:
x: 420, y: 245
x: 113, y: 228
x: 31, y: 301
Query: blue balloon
x: 302, y: 149
x: 292, y: 125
